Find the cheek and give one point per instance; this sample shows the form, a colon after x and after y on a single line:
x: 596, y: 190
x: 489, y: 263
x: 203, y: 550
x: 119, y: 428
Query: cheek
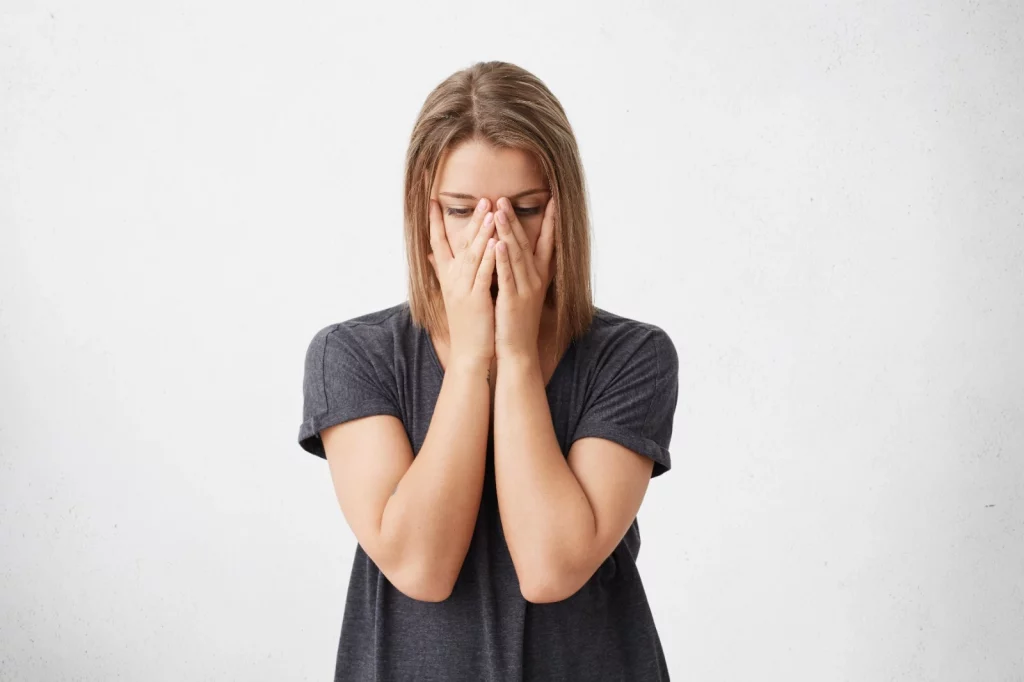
x: 532, y: 227
x: 455, y: 231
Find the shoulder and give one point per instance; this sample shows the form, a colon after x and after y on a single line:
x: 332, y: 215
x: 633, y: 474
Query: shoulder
x: 372, y: 336
x: 349, y: 373
x: 614, y: 339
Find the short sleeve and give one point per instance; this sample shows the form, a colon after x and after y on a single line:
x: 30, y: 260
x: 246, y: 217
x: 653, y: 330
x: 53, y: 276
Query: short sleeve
x: 341, y: 382
x: 633, y: 400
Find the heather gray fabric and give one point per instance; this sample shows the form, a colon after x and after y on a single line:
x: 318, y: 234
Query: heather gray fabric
x: 618, y: 381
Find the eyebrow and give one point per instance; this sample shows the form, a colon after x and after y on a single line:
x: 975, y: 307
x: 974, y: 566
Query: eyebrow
x: 460, y: 195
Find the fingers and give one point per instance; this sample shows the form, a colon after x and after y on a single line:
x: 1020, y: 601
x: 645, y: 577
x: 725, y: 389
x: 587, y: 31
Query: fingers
x: 521, y: 258
x: 486, y: 269
x: 506, y: 280
x: 472, y: 255
x: 438, y: 241
x: 469, y: 258
x: 505, y: 206
x: 546, y: 242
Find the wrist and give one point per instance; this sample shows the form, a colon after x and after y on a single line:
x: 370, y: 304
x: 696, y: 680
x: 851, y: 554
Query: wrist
x: 469, y: 366
x: 519, y: 362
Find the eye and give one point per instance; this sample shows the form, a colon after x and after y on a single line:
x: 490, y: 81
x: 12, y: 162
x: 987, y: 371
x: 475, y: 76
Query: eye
x: 466, y: 212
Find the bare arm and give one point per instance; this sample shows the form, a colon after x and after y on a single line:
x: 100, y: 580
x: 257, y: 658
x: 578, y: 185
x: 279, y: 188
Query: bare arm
x: 419, y: 533
x: 415, y: 516
x: 562, y: 516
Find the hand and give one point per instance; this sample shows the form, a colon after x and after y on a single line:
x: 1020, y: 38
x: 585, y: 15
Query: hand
x: 465, y: 278
x: 524, y: 275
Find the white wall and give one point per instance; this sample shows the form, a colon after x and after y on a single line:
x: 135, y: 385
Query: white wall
x: 822, y: 203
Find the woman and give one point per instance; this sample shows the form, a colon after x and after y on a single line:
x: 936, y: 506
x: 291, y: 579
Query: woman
x: 491, y: 439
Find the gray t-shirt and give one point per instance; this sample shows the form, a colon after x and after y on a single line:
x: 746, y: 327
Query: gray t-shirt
x: 618, y: 381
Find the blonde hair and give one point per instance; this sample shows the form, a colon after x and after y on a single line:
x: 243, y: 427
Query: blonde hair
x: 507, y: 107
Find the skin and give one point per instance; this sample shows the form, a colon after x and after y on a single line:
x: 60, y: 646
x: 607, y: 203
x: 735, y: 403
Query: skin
x: 562, y: 515
x: 474, y: 172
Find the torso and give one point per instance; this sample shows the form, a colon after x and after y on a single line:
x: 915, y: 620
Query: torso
x: 486, y: 631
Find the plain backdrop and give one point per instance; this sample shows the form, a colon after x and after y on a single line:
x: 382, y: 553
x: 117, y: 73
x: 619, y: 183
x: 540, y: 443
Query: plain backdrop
x: 821, y: 202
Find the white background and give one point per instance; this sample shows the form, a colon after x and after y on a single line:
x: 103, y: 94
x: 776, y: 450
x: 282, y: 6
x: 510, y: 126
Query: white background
x: 822, y: 203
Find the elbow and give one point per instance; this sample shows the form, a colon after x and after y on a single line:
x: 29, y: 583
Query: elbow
x: 418, y: 582
x: 426, y: 590
x: 548, y: 583
x: 541, y: 594
x: 415, y: 571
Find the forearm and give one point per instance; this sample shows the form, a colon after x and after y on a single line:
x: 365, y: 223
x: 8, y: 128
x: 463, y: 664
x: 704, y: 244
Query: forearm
x: 429, y: 520
x: 547, y: 519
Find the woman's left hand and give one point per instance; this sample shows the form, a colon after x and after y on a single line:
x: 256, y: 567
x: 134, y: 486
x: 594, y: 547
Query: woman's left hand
x: 524, y: 275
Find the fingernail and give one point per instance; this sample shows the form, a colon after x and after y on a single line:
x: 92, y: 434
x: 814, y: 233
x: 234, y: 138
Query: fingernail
x: 501, y: 218
x: 490, y: 243
x: 480, y: 204
x: 488, y: 218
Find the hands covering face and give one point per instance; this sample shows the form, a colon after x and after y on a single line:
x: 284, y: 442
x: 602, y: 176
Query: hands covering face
x: 524, y: 274
x: 465, y: 278
x: 508, y: 328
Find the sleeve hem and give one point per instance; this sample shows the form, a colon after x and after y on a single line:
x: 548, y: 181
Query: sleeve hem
x: 628, y: 439
x: 309, y: 431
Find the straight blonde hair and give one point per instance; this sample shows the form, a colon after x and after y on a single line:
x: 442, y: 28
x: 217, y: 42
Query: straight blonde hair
x: 507, y: 107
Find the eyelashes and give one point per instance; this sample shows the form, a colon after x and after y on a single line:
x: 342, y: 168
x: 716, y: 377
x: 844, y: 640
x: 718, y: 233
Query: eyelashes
x: 466, y: 212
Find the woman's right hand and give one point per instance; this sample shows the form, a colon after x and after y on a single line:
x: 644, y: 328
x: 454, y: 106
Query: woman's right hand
x: 465, y: 275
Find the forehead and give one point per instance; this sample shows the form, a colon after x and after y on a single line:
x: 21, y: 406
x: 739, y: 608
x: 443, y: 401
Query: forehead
x: 480, y: 169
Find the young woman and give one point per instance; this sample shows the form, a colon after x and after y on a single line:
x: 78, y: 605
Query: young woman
x: 491, y: 439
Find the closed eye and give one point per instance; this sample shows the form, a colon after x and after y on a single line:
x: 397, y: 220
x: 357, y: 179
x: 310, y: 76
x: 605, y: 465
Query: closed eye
x: 466, y: 212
